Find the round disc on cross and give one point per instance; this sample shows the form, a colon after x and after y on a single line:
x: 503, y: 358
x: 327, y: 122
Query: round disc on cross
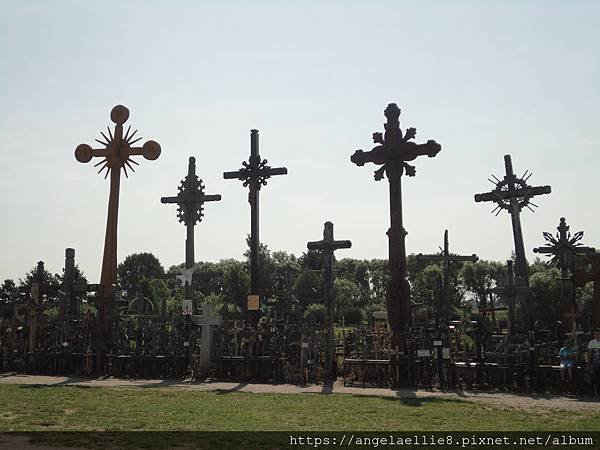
x: 83, y: 153
x: 119, y: 115
x: 151, y: 150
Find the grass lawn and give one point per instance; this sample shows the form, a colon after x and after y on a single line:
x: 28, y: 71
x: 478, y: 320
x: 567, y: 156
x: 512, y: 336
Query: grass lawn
x: 70, y: 408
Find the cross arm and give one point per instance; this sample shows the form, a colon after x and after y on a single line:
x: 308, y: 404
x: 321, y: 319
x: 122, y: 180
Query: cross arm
x: 277, y: 171
x: 211, y: 198
x: 451, y: 258
x: 328, y: 245
x: 583, y: 250
x: 233, y: 175
x: 412, y: 150
x: 165, y: 200
x: 546, y: 250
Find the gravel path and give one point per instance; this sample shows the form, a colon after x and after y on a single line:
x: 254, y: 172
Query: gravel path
x: 502, y: 399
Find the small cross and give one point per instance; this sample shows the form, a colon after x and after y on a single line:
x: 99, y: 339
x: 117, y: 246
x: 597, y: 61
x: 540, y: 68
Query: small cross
x: 446, y: 258
x: 190, y: 209
x: 327, y: 246
x: 254, y: 174
x: 35, y: 307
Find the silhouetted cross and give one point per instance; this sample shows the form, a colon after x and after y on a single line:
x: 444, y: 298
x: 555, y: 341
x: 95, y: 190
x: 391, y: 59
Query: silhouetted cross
x: 190, y: 201
x: 392, y: 154
x: 327, y: 246
x: 254, y: 174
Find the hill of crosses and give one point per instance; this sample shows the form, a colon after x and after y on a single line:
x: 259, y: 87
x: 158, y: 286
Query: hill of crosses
x: 432, y: 318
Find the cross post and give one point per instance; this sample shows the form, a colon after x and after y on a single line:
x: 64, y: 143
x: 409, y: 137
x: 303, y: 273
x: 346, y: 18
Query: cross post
x: 254, y: 174
x: 563, y: 248
x: 190, y: 209
x: 392, y: 154
x: 116, y: 155
x: 582, y: 277
x: 69, y: 292
x: 327, y: 246
x: 447, y: 259
x: 35, y: 307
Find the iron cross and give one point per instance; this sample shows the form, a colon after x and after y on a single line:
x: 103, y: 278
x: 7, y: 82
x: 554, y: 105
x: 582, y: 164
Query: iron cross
x: 446, y: 258
x: 392, y: 154
x: 513, y: 194
x: 563, y: 247
x: 327, y: 246
x: 116, y: 155
x: 190, y: 209
x: 254, y: 173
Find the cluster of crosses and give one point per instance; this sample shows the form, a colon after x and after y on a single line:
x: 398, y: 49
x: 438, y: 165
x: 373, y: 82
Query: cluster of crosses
x: 393, y: 152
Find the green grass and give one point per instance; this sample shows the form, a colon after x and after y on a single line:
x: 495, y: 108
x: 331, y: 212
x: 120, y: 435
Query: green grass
x: 35, y: 408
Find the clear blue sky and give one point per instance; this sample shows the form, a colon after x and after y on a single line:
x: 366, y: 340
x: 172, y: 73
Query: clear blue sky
x: 482, y: 78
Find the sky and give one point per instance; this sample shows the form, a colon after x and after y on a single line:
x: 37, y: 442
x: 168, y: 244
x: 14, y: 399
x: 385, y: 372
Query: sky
x: 483, y: 79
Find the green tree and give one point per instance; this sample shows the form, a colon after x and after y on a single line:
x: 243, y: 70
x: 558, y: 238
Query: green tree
x: 134, y: 269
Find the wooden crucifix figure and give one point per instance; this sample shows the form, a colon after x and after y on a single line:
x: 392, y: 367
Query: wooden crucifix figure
x: 190, y: 209
x: 116, y: 155
x: 327, y: 246
x: 254, y: 173
x: 563, y: 248
x: 446, y: 258
x: 582, y: 277
x: 392, y: 154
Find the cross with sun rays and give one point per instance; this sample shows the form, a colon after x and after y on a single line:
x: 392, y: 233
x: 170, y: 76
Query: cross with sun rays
x: 116, y: 155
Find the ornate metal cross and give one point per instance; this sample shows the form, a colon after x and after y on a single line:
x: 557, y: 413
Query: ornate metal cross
x: 254, y: 173
x: 513, y: 194
x: 392, y: 154
x: 563, y: 247
x: 190, y: 209
x: 446, y: 258
x: 327, y: 246
x: 116, y: 155
x: 582, y: 277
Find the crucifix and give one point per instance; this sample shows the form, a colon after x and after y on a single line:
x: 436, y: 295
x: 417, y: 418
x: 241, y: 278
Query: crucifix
x: 190, y: 209
x: 563, y: 248
x: 116, y: 155
x: 69, y: 305
x: 446, y: 258
x: 254, y: 173
x: 582, y: 277
x: 327, y: 246
x: 392, y: 154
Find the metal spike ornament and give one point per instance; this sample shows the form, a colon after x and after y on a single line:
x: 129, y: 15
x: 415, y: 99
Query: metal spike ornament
x: 116, y: 155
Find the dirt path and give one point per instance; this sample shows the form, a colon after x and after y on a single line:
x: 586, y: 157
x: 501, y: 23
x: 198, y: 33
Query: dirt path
x: 512, y: 400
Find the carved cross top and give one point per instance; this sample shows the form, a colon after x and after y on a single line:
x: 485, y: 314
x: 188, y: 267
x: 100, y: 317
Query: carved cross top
x: 395, y: 149
x: 328, y: 243
x: 445, y: 255
x: 118, y: 147
x: 255, y: 172
x: 512, y: 188
x: 563, y: 246
x: 191, y: 197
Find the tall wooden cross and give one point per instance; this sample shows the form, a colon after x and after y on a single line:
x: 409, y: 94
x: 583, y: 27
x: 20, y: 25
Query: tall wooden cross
x: 563, y: 248
x: 582, y: 277
x: 392, y: 154
x: 69, y: 292
x: 446, y: 258
x: 254, y: 173
x: 116, y: 155
x: 190, y: 209
x: 509, y: 293
x: 327, y: 246
x: 513, y: 194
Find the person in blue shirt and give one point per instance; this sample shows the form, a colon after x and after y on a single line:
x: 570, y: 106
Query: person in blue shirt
x: 567, y: 360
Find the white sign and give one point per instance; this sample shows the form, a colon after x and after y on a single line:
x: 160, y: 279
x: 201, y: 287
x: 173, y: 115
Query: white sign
x: 437, y: 343
x: 446, y: 353
x: 186, y: 344
x: 304, y: 345
x: 422, y: 353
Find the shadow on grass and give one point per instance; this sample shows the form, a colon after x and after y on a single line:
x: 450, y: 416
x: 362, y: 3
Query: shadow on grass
x: 233, y: 389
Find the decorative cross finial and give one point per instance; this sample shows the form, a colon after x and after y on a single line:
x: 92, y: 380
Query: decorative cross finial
x: 118, y: 148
